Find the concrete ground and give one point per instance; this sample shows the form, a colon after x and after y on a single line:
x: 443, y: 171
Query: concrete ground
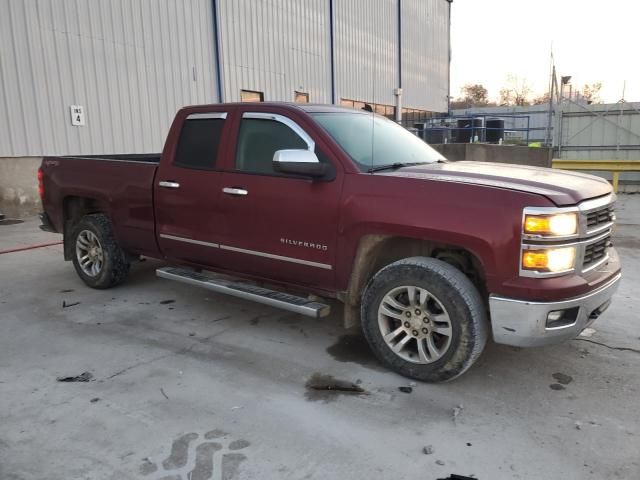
x: 185, y: 383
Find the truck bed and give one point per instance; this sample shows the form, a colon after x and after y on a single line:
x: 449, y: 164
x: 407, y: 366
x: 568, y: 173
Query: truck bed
x: 137, y: 157
x: 121, y: 186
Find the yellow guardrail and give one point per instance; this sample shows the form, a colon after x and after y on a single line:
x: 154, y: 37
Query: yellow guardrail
x: 614, y: 166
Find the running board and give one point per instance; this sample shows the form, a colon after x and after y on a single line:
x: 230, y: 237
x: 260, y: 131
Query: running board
x: 247, y: 291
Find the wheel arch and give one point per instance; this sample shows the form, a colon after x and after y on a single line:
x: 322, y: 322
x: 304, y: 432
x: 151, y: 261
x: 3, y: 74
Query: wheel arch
x: 375, y: 251
x: 73, y: 209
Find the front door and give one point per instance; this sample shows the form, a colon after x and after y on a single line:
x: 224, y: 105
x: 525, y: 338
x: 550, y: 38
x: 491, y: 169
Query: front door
x: 278, y: 226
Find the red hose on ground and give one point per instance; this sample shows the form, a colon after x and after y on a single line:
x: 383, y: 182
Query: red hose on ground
x: 30, y: 247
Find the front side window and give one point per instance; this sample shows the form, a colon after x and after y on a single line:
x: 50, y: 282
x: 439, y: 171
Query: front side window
x: 372, y: 140
x: 199, y: 141
x: 259, y: 139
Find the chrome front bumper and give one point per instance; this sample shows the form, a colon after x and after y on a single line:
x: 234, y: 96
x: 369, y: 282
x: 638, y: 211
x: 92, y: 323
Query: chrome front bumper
x: 524, y: 324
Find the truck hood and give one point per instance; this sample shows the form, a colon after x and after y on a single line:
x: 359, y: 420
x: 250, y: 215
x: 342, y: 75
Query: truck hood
x: 562, y: 187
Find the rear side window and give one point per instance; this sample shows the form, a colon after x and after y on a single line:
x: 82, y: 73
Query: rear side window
x: 199, y: 142
x: 259, y: 139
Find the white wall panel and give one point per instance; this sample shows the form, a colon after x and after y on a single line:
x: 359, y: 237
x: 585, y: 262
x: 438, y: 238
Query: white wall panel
x: 366, y: 49
x: 130, y: 64
x: 275, y: 47
x: 425, y: 54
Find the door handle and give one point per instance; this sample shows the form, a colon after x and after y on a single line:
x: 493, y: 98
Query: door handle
x: 235, y: 191
x: 169, y: 184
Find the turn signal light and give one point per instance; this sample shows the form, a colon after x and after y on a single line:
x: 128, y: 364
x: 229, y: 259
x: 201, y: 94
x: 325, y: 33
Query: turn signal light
x: 559, y: 225
x: 549, y: 259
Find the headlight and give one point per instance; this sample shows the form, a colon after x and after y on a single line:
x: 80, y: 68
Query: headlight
x: 558, y: 225
x: 549, y: 259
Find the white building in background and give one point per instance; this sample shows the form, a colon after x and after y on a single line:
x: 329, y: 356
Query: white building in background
x: 107, y: 76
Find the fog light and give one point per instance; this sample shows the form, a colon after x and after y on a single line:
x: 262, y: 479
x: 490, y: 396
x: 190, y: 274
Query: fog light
x: 562, y: 318
x: 555, y: 316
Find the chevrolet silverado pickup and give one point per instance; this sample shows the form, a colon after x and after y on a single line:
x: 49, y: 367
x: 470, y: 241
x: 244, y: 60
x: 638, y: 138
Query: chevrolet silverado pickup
x: 289, y: 204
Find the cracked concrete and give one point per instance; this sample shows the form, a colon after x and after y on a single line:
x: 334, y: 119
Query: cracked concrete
x: 205, y: 364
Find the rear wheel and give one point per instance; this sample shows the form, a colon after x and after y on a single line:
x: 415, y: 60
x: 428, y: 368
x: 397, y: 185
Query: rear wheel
x: 424, y: 319
x: 97, y: 258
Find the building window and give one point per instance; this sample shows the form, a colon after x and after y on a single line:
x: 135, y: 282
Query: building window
x: 251, y: 96
x: 410, y: 115
x: 381, y: 109
x: 301, y: 97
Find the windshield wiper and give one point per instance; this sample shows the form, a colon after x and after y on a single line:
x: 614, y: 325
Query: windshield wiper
x: 396, y: 165
x: 391, y: 166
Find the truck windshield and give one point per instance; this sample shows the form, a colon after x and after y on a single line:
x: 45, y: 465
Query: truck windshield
x: 373, y: 141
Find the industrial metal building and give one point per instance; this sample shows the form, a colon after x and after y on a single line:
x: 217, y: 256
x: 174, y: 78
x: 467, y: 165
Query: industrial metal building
x: 107, y: 76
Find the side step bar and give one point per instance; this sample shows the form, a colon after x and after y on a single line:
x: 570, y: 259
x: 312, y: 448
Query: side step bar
x: 247, y: 291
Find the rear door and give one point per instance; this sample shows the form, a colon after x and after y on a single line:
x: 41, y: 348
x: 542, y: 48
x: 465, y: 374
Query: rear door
x: 278, y: 226
x: 188, y: 187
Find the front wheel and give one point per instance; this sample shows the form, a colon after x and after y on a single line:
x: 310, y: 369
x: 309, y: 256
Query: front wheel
x: 424, y: 319
x: 97, y: 257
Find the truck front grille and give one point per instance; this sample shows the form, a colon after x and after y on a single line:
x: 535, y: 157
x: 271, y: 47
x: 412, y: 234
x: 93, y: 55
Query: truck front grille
x: 595, y: 252
x: 600, y: 217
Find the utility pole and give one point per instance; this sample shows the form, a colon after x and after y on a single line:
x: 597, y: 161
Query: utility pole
x: 548, y: 137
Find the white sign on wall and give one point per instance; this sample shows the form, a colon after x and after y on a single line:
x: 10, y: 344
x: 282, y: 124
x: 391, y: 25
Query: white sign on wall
x: 77, y: 115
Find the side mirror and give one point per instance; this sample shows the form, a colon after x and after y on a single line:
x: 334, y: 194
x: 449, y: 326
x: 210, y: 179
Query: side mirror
x: 299, y: 162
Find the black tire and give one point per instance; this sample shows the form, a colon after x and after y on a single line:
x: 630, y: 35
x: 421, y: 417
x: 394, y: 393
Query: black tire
x: 114, y: 267
x: 461, y: 301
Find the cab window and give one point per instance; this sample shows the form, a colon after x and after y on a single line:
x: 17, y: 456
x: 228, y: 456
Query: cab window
x: 199, y: 141
x: 259, y: 139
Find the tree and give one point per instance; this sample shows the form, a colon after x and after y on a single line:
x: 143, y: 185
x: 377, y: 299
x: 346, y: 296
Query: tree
x: 472, y: 95
x: 516, y: 92
x: 478, y: 95
x: 541, y: 100
x: 591, y: 92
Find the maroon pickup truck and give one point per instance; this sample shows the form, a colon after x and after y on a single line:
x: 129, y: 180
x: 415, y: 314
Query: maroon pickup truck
x: 285, y: 204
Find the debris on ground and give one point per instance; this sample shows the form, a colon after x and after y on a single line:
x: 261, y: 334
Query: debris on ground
x: 83, y: 377
x: 405, y: 389
x: 164, y: 394
x: 556, y: 386
x: 94, y: 400
x: 192, y: 334
x: 562, y: 378
x: 67, y: 305
x: 458, y: 477
x: 578, y: 425
x: 412, y: 384
x: 327, y: 382
x: 167, y: 302
x: 457, y: 411
x: 66, y: 290
x: 439, y: 462
x: 428, y: 450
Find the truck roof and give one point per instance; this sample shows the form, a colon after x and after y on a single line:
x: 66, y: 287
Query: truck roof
x: 306, y: 107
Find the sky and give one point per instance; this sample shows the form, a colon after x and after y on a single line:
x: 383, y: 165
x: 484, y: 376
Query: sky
x: 593, y: 41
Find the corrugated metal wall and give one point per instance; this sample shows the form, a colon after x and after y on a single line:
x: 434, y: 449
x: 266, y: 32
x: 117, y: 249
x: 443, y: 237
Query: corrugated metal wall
x: 275, y: 47
x: 366, y: 50
x: 599, y: 132
x: 425, y: 54
x: 130, y: 64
